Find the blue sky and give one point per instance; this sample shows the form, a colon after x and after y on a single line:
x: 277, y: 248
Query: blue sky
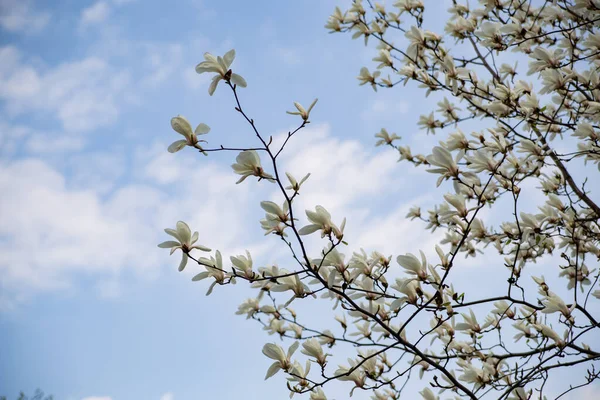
x: 90, y: 308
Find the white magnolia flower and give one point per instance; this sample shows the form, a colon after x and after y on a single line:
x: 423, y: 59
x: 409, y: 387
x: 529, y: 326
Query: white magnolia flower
x: 276, y: 217
x: 446, y: 166
x: 520, y: 394
x: 276, y: 326
x: 460, y: 27
x: 318, y: 394
x: 470, y: 324
x: 586, y: 131
x: 214, y: 269
x: 185, y: 242
x: 273, y: 226
x: 502, y: 309
x: 411, y: 290
x: 351, y: 373
x: 312, y: 348
x: 458, y: 202
x: 298, y: 375
x: 342, y: 320
x: 409, y: 5
x: 457, y: 141
x: 182, y: 126
x: 249, y: 308
x: 292, y: 283
x: 297, y: 329
x: 482, y: 160
x: 248, y: 164
x: 321, y: 220
x: 243, y: 264
x: 429, y: 122
x: 490, y: 35
x: 553, y: 303
x: 366, y: 77
x: 542, y: 58
x: 361, y: 30
x: 302, y: 111
x: 579, y: 276
x: 548, y: 332
x: 282, y: 360
x: 385, y: 137
x: 384, y: 59
x: 294, y: 184
x: 428, y: 394
x: 220, y: 65
x: 472, y: 374
x: 413, y: 266
x: 335, y: 20
x: 414, y: 212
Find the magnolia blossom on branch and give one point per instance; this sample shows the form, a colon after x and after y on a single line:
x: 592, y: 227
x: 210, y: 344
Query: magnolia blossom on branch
x: 526, y: 74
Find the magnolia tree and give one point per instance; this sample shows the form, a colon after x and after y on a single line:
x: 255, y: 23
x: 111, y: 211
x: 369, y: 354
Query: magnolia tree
x: 529, y: 73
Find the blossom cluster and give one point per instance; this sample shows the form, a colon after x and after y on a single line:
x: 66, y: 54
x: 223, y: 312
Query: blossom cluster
x: 538, y: 131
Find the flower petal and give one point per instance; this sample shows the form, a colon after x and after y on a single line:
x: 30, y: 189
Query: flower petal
x: 308, y: 229
x: 184, y: 232
x: 202, y: 129
x: 176, y: 146
x: 238, y: 80
x: 270, y: 207
x: 293, y: 348
x: 168, y: 244
x: 312, y: 105
x: 182, y: 126
x: 200, y: 276
x: 229, y: 57
x: 213, y: 84
x: 210, y: 289
x: 173, y: 233
x: 183, y: 262
x: 201, y: 248
x: 273, y: 369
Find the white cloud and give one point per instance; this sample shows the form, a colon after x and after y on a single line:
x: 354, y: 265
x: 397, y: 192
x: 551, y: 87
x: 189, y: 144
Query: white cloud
x: 53, y: 229
x: 10, y: 138
x: 343, y: 171
x: 288, y: 55
x: 193, y: 80
x: 97, y: 398
x: 162, y: 61
x: 109, y: 288
x: 48, y: 143
x: 387, y: 108
x: 20, y: 16
x: 95, y: 14
x: 83, y: 94
x: 167, y: 396
x: 202, y: 10
x: 591, y: 392
x: 98, y: 171
x: 363, y: 184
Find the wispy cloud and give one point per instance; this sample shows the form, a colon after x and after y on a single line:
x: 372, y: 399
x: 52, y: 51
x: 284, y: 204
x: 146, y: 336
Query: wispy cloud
x: 53, y: 228
x: 167, y: 396
x: 97, y: 398
x: 388, y: 108
x: 94, y: 14
x: 20, y: 16
x: 83, y: 94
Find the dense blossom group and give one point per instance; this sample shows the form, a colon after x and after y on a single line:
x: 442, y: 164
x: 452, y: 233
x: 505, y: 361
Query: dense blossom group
x: 529, y: 73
